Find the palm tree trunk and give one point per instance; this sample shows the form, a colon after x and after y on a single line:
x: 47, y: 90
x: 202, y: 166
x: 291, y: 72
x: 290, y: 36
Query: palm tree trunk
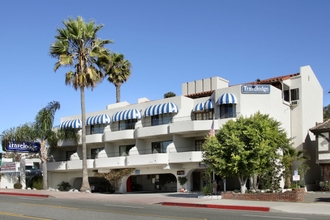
x: 44, y: 158
x: 118, y: 92
x: 85, y: 184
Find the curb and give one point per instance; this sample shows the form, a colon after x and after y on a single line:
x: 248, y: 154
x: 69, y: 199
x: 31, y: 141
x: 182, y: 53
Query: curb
x: 231, y: 207
x: 23, y: 194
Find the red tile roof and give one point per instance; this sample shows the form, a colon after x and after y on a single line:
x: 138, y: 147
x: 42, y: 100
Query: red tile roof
x: 275, y: 79
x: 200, y: 94
x: 264, y: 81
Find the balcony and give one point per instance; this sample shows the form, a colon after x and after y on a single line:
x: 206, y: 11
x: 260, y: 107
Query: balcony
x: 147, y: 159
x: 185, y: 157
x: 56, y: 166
x: 192, y: 126
x: 144, y: 132
x: 77, y: 164
x: 119, y: 135
x: 94, y: 138
x: 110, y: 162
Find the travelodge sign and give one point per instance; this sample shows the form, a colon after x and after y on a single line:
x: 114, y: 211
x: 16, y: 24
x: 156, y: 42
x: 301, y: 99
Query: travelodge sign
x: 26, y: 147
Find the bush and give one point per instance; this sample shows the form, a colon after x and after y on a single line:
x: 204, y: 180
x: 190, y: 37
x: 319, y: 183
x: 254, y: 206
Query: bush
x: 208, y: 189
x: 64, y: 186
x: 37, y: 183
x: 18, y: 186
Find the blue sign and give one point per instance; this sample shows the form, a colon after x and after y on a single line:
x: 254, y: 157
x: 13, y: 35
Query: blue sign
x: 255, y: 89
x: 26, y: 147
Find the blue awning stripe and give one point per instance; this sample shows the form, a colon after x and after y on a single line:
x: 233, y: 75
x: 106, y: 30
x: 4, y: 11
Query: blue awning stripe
x: 208, y: 104
x: 126, y: 115
x: 227, y: 98
x: 98, y: 119
x: 199, y: 107
x: 159, y: 109
x: 75, y: 123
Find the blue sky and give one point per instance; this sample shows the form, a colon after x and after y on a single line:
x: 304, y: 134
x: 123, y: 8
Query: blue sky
x: 168, y: 42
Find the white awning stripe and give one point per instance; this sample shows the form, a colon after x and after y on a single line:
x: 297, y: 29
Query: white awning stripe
x: 159, y: 109
x: 98, y: 119
x: 199, y: 107
x: 75, y: 123
x: 204, y: 106
x: 227, y: 98
x: 126, y: 115
x: 208, y: 104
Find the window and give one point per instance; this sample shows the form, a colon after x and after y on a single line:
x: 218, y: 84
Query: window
x: 294, y: 94
x: 323, y: 141
x: 124, y: 149
x: 94, y: 152
x: 127, y: 124
x: 228, y: 111
x: 208, y: 115
x: 160, y: 147
x: 95, y: 129
x: 198, y: 145
x: 161, y: 119
x: 68, y: 154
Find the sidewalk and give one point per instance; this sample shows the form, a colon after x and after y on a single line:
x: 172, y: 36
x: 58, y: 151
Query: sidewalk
x: 318, y: 202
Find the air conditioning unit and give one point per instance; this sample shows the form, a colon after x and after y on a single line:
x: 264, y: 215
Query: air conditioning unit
x: 294, y: 103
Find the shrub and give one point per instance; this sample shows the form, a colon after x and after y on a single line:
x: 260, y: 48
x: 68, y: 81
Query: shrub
x: 18, y: 186
x: 208, y: 189
x: 64, y: 186
x: 37, y: 183
x: 182, y: 180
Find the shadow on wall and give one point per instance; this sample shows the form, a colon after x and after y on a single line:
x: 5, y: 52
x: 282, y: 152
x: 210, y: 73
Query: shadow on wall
x: 313, y: 175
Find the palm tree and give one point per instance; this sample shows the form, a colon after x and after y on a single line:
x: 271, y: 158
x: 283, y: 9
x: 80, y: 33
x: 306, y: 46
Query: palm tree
x: 78, y: 47
x: 42, y: 131
x: 291, y: 155
x: 119, y: 72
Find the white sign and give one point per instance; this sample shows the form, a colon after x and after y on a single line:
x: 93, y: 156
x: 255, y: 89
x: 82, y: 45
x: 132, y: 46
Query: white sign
x: 296, y: 177
x: 8, y: 167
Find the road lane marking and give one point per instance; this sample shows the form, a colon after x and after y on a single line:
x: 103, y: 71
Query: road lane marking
x: 109, y: 211
x: 274, y: 217
x: 123, y: 206
x: 31, y: 199
x: 23, y: 216
x: 50, y: 206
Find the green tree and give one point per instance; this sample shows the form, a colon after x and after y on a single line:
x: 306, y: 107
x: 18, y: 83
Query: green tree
x: 119, y: 72
x: 244, y: 147
x: 42, y: 131
x: 290, y: 155
x: 169, y: 94
x: 114, y: 176
x: 326, y: 112
x: 78, y: 47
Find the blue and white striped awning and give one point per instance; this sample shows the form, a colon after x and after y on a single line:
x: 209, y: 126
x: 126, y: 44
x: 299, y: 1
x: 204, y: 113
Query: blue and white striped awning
x: 159, y: 109
x: 126, y: 115
x: 203, y: 106
x: 208, y: 104
x: 199, y: 107
x: 75, y: 123
x: 227, y: 98
x: 98, y: 119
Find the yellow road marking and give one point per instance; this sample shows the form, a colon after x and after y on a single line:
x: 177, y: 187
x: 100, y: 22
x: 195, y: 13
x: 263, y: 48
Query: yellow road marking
x: 22, y: 216
x: 107, y: 211
x: 50, y: 206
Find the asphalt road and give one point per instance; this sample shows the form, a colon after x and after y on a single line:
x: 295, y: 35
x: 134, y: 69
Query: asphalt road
x: 20, y: 207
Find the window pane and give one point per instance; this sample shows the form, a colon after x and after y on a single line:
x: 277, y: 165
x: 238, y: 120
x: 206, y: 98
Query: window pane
x: 323, y: 142
x: 164, y: 146
x: 155, y: 120
x: 294, y: 94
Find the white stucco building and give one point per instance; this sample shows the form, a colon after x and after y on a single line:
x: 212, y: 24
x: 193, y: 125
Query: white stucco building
x: 161, y: 139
